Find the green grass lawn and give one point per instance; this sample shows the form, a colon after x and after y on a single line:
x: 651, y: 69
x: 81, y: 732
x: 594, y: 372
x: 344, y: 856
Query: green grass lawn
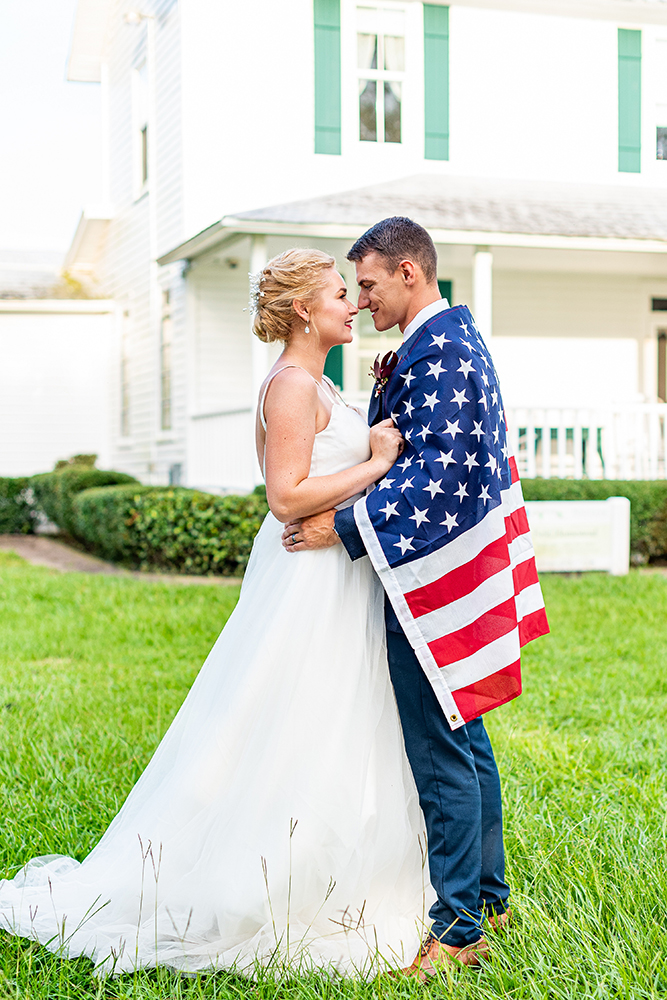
x: 93, y: 668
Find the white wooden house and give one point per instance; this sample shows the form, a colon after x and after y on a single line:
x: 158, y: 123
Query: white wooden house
x: 529, y: 136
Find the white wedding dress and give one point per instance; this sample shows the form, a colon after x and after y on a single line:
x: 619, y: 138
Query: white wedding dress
x: 278, y: 821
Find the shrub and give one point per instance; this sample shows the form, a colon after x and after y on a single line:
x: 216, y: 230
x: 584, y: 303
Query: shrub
x: 79, y: 460
x: 55, y: 491
x: 648, y: 505
x: 17, y: 510
x: 103, y: 519
x: 169, y: 528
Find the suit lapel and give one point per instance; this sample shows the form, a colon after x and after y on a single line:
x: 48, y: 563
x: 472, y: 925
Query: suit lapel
x: 374, y: 409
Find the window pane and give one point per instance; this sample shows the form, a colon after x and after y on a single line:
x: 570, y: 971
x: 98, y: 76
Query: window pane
x: 124, y: 397
x: 392, y: 112
x: 367, y: 19
x: 165, y: 385
x: 661, y: 143
x: 144, y: 154
x: 166, y: 338
x: 125, y: 377
x: 394, y: 53
x: 392, y: 22
x: 367, y: 51
x: 367, y: 117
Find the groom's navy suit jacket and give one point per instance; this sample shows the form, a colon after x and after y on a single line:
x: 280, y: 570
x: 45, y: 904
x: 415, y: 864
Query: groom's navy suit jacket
x: 346, y: 526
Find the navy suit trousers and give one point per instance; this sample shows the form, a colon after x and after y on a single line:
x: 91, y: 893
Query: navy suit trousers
x: 459, y: 792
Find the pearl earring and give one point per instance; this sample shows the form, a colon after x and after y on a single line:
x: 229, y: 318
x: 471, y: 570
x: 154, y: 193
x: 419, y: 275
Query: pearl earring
x: 306, y: 329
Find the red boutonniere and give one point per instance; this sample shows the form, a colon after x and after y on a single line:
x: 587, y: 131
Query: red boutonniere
x: 381, y: 370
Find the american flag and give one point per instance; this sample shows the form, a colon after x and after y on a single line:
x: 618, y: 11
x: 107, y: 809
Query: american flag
x: 446, y: 529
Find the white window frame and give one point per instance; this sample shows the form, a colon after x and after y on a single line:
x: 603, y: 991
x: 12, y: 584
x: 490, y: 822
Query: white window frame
x: 412, y: 98
x: 141, y: 139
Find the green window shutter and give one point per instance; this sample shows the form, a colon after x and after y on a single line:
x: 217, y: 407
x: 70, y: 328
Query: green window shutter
x: 629, y: 100
x: 436, y: 82
x: 445, y: 290
x: 333, y: 367
x: 327, y: 76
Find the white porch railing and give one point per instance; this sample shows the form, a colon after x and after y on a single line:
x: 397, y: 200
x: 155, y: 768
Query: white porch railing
x: 621, y: 442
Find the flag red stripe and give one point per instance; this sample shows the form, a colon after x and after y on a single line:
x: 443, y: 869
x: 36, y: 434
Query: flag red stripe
x: 460, y: 581
x: 490, y: 692
x: 532, y: 626
x: 524, y: 575
x: 513, y: 470
x: 467, y: 640
x: 516, y: 524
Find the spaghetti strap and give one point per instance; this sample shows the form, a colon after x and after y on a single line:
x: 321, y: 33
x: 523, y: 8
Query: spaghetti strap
x: 334, y: 387
x: 268, y: 383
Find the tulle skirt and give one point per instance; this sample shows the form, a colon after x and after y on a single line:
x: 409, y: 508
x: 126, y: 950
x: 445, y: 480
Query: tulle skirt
x: 277, y: 822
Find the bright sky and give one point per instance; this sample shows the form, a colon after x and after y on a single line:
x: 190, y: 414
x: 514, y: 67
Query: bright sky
x: 50, y: 153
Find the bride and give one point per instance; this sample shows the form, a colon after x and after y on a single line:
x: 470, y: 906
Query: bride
x: 277, y: 822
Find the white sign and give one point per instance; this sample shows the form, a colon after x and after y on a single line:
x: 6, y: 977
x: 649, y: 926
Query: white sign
x: 572, y: 536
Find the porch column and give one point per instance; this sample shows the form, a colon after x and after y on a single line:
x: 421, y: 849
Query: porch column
x: 482, y: 289
x: 260, y: 362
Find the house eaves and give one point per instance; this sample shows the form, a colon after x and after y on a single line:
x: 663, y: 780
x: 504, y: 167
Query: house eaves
x: 88, y: 240
x: 72, y: 307
x: 623, y: 11
x: 88, y: 37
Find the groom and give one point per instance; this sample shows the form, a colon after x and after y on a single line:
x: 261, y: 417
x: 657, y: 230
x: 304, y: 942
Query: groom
x: 446, y: 532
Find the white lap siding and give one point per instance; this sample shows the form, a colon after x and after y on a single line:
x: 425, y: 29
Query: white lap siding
x: 127, y: 271
x: 221, y: 423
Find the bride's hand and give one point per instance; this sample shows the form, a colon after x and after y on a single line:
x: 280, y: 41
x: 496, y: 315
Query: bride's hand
x: 386, y: 442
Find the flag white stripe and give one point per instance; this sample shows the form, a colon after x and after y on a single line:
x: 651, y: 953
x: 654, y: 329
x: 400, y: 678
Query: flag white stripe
x: 512, y: 498
x: 529, y: 600
x: 466, y: 610
x: 487, y: 661
x: 520, y: 549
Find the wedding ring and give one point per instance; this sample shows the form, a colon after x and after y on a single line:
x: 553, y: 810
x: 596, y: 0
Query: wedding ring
x: 293, y: 542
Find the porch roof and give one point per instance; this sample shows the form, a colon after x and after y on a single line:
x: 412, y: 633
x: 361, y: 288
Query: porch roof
x: 465, y: 211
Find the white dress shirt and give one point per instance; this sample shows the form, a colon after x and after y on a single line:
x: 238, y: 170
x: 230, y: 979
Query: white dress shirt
x: 432, y: 309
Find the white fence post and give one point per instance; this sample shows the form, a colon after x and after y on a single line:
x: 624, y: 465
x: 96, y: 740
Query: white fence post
x: 620, y: 535
x: 546, y: 446
x: 531, y: 470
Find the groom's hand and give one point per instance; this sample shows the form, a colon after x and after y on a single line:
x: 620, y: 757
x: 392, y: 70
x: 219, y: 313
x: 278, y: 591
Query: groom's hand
x: 315, y: 532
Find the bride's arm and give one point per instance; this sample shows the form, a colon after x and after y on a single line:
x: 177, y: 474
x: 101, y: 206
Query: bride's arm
x: 291, y: 418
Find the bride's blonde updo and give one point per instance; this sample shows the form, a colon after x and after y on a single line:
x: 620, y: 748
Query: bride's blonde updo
x: 294, y: 274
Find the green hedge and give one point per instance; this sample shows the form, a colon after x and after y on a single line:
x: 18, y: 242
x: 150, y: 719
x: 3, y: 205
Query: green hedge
x: 648, y: 505
x: 169, y: 528
x: 17, y: 510
x: 55, y: 491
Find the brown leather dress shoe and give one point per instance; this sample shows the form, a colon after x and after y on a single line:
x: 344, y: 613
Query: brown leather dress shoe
x: 500, y: 921
x: 434, y: 953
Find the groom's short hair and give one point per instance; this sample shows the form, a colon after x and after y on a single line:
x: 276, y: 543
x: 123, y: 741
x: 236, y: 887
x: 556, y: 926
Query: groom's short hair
x: 396, y: 239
